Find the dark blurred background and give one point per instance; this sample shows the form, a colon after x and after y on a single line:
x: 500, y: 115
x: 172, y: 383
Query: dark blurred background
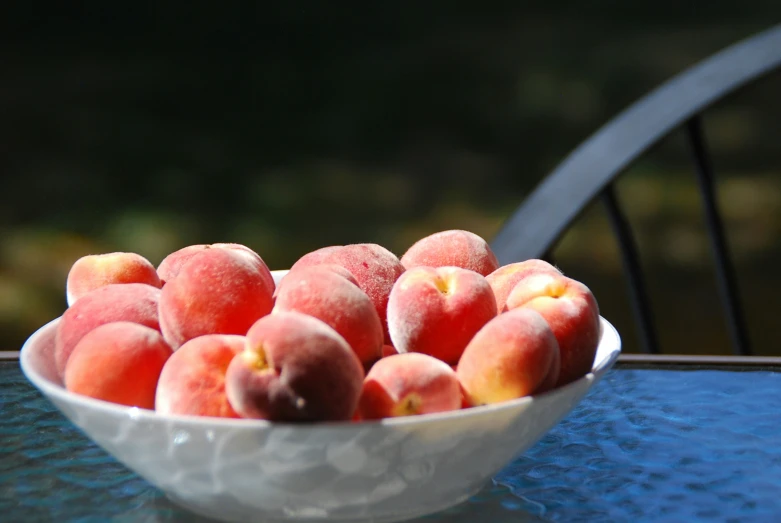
x: 147, y: 127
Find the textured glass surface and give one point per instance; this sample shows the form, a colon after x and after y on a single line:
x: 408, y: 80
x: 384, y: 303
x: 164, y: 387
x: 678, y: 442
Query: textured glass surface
x: 650, y: 445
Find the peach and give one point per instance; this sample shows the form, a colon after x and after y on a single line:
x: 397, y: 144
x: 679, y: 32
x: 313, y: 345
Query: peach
x: 374, y: 267
x: 216, y: 291
x: 436, y: 311
x: 133, y: 302
x: 572, y: 312
x: 97, y: 270
x: 338, y: 269
x: 172, y: 264
x: 294, y: 368
x: 118, y: 362
x: 407, y: 385
x: 509, y: 358
x: 316, y: 257
x: 321, y: 292
x: 453, y: 248
x: 503, y: 279
x: 193, y: 379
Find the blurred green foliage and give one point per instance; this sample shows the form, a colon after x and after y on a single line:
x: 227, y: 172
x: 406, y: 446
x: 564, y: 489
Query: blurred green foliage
x: 295, y: 126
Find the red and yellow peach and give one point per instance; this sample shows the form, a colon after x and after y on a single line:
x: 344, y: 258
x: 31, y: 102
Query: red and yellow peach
x: 321, y: 292
x: 192, y: 381
x: 294, y: 368
x: 436, y: 311
x: 407, y: 385
x: 503, y: 279
x: 98, y: 270
x: 453, y: 248
x: 511, y: 357
x: 118, y: 362
x: 133, y: 302
x: 572, y: 312
x: 216, y: 291
x: 374, y: 267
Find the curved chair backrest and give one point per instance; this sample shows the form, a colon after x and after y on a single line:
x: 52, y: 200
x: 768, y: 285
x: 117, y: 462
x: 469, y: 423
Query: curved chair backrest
x: 590, y: 170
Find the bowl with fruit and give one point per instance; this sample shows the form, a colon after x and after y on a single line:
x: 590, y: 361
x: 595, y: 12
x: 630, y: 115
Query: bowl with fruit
x: 355, y: 386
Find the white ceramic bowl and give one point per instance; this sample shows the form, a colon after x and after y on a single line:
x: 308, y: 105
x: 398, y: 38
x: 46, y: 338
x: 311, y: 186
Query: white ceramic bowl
x: 251, y: 470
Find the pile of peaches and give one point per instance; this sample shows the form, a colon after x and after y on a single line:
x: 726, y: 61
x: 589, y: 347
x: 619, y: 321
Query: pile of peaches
x: 350, y: 333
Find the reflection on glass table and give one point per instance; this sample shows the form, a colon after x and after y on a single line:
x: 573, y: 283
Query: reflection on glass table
x: 650, y: 444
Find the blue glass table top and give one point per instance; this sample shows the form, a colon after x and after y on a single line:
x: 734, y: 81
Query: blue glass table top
x: 649, y: 445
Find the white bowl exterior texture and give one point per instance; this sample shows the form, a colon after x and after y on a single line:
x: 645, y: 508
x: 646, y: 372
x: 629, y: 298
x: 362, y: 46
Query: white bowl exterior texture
x: 252, y: 470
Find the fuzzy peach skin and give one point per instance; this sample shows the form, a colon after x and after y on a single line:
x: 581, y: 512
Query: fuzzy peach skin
x: 509, y: 358
x: 436, y: 311
x: 316, y: 257
x: 503, y: 279
x: 97, y: 270
x: 321, y: 292
x: 407, y: 385
x: 133, y: 302
x: 217, y: 291
x: 294, y: 368
x: 193, y: 379
x: 374, y: 267
x: 338, y: 269
x: 118, y: 362
x: 572, y: 312
x: 172, y: 264
x: 453, y: 248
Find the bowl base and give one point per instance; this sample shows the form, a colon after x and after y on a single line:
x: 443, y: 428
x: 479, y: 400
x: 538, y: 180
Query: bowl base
x: 215, y: 514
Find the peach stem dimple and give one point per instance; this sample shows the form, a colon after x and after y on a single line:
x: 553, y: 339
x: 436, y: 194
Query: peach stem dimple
x: 409, y: 406
x: 256, y: 359
x: 442, y: 285
x: 555, y: 290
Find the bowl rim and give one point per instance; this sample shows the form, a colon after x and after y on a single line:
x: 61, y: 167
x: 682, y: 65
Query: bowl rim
x: 609, y: 347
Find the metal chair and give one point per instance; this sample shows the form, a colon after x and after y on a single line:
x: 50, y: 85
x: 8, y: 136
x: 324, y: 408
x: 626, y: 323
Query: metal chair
x: 590, y: 170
